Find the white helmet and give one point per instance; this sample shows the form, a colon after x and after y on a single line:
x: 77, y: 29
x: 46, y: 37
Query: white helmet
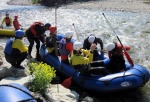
x: 110, y: 46
x: 77, y: 45
x: 91, y: 38
x: 69, y: 34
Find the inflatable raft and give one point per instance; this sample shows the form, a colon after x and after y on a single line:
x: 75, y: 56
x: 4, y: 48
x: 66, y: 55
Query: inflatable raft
x: 7, y: 32
x: 131, y: 79
x: 15, y: 93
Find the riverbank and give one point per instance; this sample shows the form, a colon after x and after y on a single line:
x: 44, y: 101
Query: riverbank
x: 106, y: 5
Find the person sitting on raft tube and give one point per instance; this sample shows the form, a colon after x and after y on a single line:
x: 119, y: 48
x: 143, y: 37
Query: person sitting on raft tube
x: 7, y: 20
x: 87, y: 44
x: 82, y: 60
x: 66, y: 46
x: 115, y: 53
x: 16, y: 23
x: 35, y: 33
x: 51, y: 42
x: 15, y: 51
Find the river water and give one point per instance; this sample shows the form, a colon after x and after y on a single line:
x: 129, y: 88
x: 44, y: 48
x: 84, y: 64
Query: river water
x: 132, y: 28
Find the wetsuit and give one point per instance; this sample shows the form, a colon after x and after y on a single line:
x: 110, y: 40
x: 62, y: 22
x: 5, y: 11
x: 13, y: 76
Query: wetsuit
x: 15, y: 52
x: 87, y: 45
x: 35, y: 33
x: 117, y: 61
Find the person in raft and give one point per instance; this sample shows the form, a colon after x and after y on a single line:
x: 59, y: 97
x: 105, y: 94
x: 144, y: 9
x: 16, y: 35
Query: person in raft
x: 66, y: 46
x: 85, y: 64
x: 51, y: 42
x: 115, y: 53
x: 15, y: 51
x: 87, y: 44
x: 35, y: 33
x: 16, y: 23
x: 7, y: 20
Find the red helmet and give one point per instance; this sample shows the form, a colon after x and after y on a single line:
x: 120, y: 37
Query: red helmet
x: 52, y: 29
x: 16, y: 17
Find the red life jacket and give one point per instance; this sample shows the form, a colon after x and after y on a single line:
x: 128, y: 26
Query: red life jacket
x: 16, y: 24
x: 32, y: 27
x: 7, y: 21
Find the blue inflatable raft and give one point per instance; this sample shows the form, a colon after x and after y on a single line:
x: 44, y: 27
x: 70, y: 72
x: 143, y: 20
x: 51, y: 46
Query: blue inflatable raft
x: 15, y: 93
x: 131, y: 79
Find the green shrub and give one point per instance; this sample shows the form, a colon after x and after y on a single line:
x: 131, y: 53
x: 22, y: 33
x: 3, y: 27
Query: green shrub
x: 35, y: 1
x: 42, y: 74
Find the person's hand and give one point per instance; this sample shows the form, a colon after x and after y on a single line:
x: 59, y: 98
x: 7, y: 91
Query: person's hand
x: 93, y: 46
x: 102, y: 51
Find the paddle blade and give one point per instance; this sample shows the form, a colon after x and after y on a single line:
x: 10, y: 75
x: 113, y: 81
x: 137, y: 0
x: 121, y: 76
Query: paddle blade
x: 129, y: 58
x: 67, y: 82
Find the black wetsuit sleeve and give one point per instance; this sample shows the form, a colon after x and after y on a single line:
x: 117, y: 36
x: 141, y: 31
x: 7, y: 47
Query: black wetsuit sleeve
x: 40, y: 32
x: 100, y: 42
x: 85, y: 44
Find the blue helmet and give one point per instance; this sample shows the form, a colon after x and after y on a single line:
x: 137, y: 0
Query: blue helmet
x: 19, y: 33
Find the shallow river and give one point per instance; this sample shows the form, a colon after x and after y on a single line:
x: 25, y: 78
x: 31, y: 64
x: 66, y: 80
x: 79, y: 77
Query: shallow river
x: 132, y: 28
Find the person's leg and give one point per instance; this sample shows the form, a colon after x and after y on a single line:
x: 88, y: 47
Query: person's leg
x: 10, y: 59
x: 20, y: 59
x: 38, y: 57
x: 31, y: 43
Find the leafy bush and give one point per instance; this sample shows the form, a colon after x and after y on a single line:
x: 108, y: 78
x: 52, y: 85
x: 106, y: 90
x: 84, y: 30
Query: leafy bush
x: 42, y: 75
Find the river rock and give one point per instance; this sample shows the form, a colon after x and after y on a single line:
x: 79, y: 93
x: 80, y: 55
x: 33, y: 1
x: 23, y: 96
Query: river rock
x: 1, y: 55
x: 58, y: 93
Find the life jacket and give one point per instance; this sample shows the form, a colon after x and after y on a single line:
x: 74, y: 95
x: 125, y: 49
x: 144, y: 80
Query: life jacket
x: 16, y: 24
x: 7, y: 21
x: 62, y: 47
x: 8, y: 48
x: 32, y: 27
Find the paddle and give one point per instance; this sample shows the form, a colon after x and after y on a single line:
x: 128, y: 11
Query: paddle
x: 125, y: 52
x: 67, y: 82
x: 56, y: 47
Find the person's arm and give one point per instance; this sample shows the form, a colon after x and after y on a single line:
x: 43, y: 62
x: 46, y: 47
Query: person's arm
x: 3, y: 21
x: 10, y: 21
x: 40, y: 33
x: 85, y: 44
x: 100, y: 42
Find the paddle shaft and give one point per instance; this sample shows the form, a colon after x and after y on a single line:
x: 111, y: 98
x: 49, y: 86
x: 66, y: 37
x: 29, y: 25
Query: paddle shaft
x: 76, y: 32
x: 127, y: 55
x: 56, y: 47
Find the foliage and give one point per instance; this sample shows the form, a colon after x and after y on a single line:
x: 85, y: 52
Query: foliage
x: 35, y: 1
x: 42, y: 75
